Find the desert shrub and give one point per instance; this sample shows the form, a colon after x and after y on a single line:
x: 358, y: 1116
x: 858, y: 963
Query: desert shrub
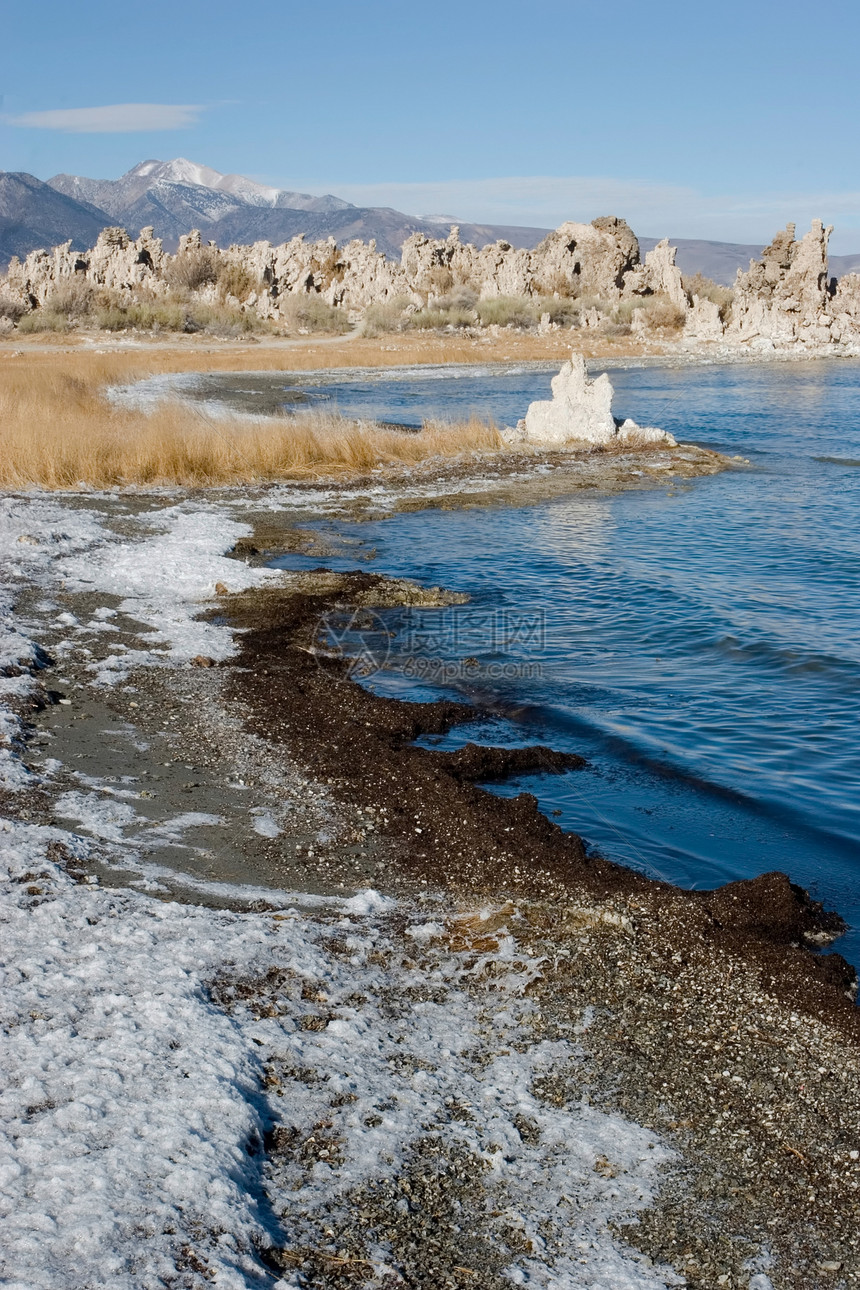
x: 111, y: 318
x: 463, y: 278
x: 71, y: 296
x: 663, y: 315
x: 594, y: 302
x: 146, y: 316
x: 462, y: 296
x: 563, y: 310
x: 658, y: 310
x: 385, y: 316
x: 11, y: 307
x: 330, y: 267
x: 558, y: 283
x: 459, y: 304
x: 220, y: 320
x: 189, y: 270
x: 438, y: 281
x: 308, y: 313
x: 430, y: 318
x: 508, y: 311
x: 706, y: 289
x: 166, y: 315
x: 527, y: 311
x: 624, y: 310
x: 43, y: 320
x: 235, y: 279
x: 171, y: 315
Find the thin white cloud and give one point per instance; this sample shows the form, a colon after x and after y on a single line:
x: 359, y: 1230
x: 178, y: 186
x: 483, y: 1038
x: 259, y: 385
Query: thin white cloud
x: 656, y: 210
x: 114, y: 118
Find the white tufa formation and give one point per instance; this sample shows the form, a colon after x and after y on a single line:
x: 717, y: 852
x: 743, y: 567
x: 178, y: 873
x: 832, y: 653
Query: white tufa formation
x: 600, y: 260
x: 785, y: 301
x: 580, y: 411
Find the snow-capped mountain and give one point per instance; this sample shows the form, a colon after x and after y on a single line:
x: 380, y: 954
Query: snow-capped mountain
x: 440, y: 219
x: 176, y: 196
x: 167, y: 181
x: 179, y: 195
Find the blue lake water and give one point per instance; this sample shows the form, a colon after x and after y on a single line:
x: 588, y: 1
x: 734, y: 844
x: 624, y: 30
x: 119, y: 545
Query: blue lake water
x: 699, y: 642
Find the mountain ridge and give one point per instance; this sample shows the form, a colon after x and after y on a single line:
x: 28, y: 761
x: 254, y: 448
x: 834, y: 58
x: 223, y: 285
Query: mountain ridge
x: 33, y: 215
x: 178, y: 195
x: 117, y: 195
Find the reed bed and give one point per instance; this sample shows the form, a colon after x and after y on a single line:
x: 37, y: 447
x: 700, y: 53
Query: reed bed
x: 58, y: 431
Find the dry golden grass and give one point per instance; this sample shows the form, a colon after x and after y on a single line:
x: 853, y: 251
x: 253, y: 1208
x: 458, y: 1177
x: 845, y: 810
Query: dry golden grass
x: 57, y: 430
x: 121, y: 360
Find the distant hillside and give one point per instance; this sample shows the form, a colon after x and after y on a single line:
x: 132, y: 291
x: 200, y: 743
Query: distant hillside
x: 32, y: 214
x: 717, y: 260
x: 176, y: 196
x: 166, y: 182
x: 842, y: 264
x: 721, y: 260
x: 388, y: 228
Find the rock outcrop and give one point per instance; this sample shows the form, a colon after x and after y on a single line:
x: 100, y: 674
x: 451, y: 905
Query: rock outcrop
x: 115, y: 263
x: 845, y: 311
x: 704, y: 322
x: 432, y: 267
x: 596, y: 263
x: 585, y: 259
x: 662, y: 275
x: 784, y: 301
x: 580, y: 411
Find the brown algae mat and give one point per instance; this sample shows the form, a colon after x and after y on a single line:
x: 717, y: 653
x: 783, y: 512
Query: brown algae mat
x: 710, y: 1020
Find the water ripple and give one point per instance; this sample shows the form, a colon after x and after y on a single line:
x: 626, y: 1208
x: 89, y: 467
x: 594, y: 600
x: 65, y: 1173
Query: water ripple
x: 702, y: 643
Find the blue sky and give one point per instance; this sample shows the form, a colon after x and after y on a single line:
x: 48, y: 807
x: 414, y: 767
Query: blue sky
x: 719, y: 121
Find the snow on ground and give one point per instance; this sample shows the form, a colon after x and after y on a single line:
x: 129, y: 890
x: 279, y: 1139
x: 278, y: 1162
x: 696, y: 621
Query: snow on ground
x: 148, y: 1046
x: 163, y: 577
x: 134, y: 1108
x: 32, y: 533
x: 128, y: 1097
x: 435, y: 1046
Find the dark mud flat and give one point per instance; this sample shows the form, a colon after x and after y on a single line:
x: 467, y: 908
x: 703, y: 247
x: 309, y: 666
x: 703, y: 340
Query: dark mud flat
x: 702, y: 1017
x: 446, y: 830
x: 712, y: 1022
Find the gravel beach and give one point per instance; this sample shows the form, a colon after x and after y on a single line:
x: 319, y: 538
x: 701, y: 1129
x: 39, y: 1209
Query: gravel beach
x: 468, y: 1052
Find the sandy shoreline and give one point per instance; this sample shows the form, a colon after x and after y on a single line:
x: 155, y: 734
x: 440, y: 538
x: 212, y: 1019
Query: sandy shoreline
x: 699, y: 1019
x: 178, y: 353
